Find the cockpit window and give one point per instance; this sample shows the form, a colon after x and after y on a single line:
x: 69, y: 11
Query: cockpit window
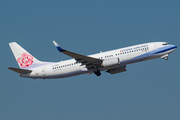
x: 165, y: 44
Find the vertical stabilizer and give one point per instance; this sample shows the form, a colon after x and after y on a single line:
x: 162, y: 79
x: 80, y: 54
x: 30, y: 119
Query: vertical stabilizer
x: 24, y: 59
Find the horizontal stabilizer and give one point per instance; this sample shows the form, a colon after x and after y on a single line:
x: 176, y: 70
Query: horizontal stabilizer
x: 21, y: 71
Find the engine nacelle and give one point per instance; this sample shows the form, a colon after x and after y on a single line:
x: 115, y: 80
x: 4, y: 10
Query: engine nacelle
x: 110, y: 62
x: 117, y: 69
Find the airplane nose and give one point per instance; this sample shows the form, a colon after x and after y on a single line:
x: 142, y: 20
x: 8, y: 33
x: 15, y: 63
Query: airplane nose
x: 174, y: 47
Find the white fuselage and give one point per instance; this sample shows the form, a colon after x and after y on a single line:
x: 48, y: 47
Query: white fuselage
x: 126, y: 56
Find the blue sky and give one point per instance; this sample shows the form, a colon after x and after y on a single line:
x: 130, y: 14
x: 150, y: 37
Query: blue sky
x: 148, y: 90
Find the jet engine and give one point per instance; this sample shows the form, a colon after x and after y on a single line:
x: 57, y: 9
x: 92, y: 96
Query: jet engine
x: 117, y: 70
x: 110, y: 62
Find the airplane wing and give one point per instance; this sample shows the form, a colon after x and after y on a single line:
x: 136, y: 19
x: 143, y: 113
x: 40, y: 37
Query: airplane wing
x: 85, y: 60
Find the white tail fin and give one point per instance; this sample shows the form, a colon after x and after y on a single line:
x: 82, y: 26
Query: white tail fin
x: 24, y: 59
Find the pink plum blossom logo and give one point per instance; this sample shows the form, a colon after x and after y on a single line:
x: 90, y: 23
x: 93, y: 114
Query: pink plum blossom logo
x: 25, y: 60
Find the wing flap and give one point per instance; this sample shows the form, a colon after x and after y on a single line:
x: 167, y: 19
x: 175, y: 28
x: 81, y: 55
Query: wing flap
x: 21, y: 71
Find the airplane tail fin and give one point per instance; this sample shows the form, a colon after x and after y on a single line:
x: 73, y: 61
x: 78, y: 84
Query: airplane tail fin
x: 24, y: 59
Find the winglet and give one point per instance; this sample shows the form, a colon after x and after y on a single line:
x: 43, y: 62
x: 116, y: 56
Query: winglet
x: 58, y: 47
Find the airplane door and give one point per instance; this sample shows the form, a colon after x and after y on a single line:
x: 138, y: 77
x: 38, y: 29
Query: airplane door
x: 155, y: 46
x: 43, y: 71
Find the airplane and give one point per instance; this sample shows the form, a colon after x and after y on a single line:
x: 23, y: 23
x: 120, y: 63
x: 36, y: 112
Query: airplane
x: 113, y: 61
